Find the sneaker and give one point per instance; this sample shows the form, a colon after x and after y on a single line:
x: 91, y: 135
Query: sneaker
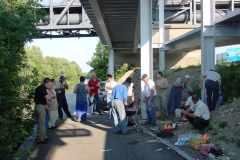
x: 70, y: 116
x: 118, y: 132
x: 100, y: 113
x: 47, y: 139
x: 127, y: 133
x: 93, y: 113
x: 42, y: 142
x: 77, y: 119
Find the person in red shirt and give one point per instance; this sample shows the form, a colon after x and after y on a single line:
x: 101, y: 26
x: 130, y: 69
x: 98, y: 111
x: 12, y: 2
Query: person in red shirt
x: 94, y: 85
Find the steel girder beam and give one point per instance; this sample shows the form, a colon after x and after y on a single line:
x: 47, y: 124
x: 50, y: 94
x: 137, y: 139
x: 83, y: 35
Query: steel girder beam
x: 63, y: 12
x: 101, y: 22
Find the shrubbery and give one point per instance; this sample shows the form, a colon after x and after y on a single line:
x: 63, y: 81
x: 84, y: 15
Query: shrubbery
x: 230, y: 74
x: 17, y: 27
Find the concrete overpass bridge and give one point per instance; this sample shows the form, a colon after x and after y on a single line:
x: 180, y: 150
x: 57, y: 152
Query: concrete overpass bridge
x: 173, y: 32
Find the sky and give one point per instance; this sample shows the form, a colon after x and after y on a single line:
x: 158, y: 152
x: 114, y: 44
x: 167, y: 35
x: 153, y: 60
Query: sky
x: 80, y: 50
x: 73, y: 49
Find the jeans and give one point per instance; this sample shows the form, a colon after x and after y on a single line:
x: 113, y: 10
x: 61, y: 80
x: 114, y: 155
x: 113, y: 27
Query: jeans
x: 109, y: 103
x: 219, y: 101
x: 98, y: 105
x: 81, y: 109
x: 47, y: 118
x: 62, y: 101
x: 151, y: 110
x: 118, y: 110
x: 175, y: 95
x: 212, y: 93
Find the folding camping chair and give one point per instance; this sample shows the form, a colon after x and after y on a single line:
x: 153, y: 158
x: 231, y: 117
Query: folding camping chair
x: 131, y: 112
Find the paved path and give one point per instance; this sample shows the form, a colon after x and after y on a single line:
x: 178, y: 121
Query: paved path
x: 95, y: 140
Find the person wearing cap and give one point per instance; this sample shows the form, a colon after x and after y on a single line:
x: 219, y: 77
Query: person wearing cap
x: 176, y: 92
x: 150, y: 99
x: 60, y: 87
x: 199, y: 117
x: 212, y: 85
x: 161, y: 88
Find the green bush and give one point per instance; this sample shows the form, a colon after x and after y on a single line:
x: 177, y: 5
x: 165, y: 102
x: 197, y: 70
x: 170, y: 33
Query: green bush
x: 18, y: 18
x: 230, y: 74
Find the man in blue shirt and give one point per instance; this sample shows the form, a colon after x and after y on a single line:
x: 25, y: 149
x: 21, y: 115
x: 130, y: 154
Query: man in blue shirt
x: 119, y: 99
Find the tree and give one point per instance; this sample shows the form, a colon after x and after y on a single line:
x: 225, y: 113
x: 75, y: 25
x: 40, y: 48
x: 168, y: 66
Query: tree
x: 99, y: 61
x: 18, y: 19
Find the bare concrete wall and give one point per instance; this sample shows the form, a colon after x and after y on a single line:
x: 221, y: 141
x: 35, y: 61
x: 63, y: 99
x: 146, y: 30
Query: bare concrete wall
x: 172, y: 59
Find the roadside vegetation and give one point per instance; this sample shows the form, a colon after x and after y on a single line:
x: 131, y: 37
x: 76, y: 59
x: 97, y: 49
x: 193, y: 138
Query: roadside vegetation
x: 22, y: 69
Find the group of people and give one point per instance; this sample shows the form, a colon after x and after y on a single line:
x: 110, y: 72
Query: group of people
x: 50, y: 97
x: 195, y: 111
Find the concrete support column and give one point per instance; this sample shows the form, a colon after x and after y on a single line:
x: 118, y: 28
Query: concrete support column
x: 111, y: 62
x: 207, y: 38
x: 161, y: 36
x: 146, y: 45
x: 51, y: 13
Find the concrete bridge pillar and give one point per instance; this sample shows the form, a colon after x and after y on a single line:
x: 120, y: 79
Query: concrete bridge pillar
x: 207, y: 38
x: 146, y: 46
x: 111, y: 62
x: 161, y: 36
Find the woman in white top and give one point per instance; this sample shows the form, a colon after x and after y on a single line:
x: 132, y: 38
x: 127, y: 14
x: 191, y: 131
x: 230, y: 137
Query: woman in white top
x: 130, y: 87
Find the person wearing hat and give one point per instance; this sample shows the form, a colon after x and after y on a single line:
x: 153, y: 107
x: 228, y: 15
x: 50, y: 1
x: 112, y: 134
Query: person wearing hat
x: 176, y: 92
x: 60, y: 87
x: 150, y: 99
x: 212, y: 85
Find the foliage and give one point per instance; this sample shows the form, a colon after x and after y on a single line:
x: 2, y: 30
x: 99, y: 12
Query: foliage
x: 230, y: 72
x: 222, y: 124
x: 48, y: 67
x: 118, y: 73
x: 208, y: 128
x: 99, y: 61
x: 18, y: 18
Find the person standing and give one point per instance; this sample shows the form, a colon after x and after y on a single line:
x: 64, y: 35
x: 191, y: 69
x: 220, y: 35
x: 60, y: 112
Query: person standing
x: 212, y: 85
x: 119, y: 99
x: 199, y: 118
x: 130, y: 87
x: 108, y: 89
x: 60, y: 87
x: 81, y: 91
x: 150, y: 99
x: 161, y: 88
x: 176, y: 92
x: 53, y: 108
x: 40, y: 98
x: 94, y: 85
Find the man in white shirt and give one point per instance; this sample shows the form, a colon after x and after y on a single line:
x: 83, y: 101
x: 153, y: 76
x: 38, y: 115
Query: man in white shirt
x: 150, y: 99
x: 200, y: 117
x: 108, y: 89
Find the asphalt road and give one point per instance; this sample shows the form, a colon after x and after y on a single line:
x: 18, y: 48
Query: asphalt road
x: 96, y: 140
